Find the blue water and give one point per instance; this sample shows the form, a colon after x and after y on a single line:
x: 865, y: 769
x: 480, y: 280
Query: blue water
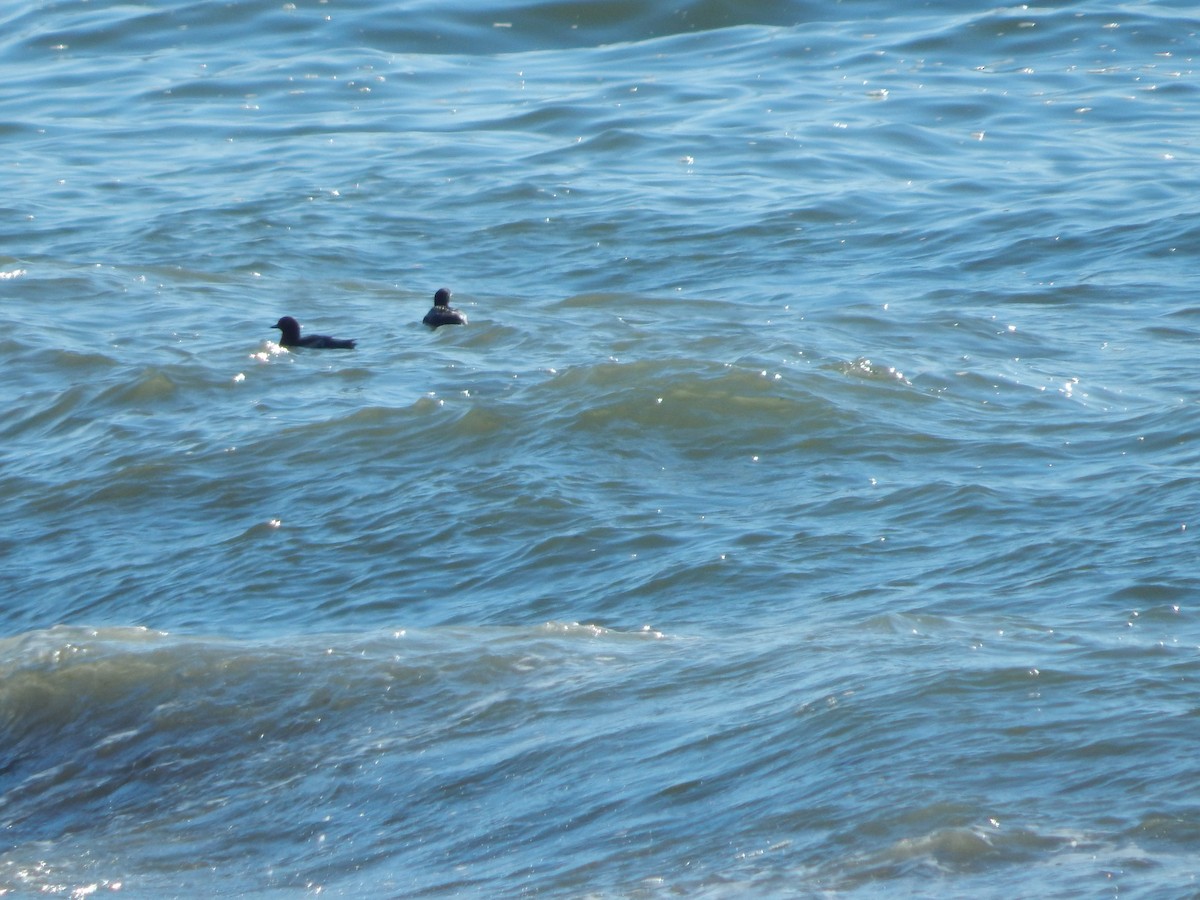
x: 808, y: 509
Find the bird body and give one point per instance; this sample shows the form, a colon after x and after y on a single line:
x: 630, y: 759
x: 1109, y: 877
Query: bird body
x: 442, y: 312
x: 290, y: 337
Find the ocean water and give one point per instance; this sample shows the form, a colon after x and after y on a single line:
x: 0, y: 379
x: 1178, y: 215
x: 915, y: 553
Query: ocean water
x: 810, y: 507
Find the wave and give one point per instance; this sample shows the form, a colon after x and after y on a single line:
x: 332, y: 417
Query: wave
x: 126, y: 723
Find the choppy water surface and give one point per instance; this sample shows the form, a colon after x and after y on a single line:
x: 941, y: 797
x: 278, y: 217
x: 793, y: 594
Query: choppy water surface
x: 808, y: 509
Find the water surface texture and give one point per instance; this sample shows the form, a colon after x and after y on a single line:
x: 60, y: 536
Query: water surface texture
x: 810, y: 507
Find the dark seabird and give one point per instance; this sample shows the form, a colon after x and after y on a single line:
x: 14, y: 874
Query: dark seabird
x: 290, y: 337
x: 443, y: 313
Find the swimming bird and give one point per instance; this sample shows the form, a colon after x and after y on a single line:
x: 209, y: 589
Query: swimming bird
x: 443, y: 313
x: 290, y: 337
